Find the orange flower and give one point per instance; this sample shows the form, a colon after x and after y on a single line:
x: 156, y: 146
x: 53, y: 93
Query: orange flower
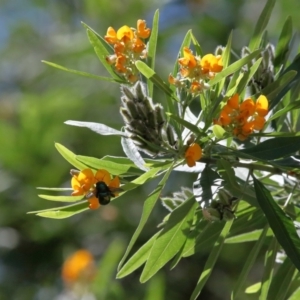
x: 129, y: 46
x: 242, y: 119
x: 192, y: 154
x: 84, y: 183
x: 195, y: 72
x: 78, y: 267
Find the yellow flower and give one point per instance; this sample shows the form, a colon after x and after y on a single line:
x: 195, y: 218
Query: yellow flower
x: 78, y: 267
x: 211, y: 64
x: 192, y: 154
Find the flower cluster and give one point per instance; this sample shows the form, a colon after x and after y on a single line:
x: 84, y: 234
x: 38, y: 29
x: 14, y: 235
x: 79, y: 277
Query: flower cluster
x: 84, y: 183
x: 129, y: 46
x: 196, y: 70
x: 79, y: 267
x: 242, y: 119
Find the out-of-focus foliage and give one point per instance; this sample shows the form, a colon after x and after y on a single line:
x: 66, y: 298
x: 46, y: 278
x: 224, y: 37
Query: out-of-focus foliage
x: 36, y: 99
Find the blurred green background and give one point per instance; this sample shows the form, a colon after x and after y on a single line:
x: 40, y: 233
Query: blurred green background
x: 36, y: 99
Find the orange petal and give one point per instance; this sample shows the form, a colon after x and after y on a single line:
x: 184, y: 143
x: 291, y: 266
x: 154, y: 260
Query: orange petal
x: 194, y: 151
x: 142, y: 31
x: 262, y: 106
x: 94, y: 203
x: 259, y: 122
x: 247, y: 108
x: 111, y: 36
x: 103, y: 175
x: 233, y: 102
x: 190, y: 161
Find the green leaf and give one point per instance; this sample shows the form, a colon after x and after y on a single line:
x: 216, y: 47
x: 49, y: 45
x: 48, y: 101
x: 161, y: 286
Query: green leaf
x: 62, y: 212
x: 291, y: 106
x: 85, y: 74
x: 97, y: 127
x: 61, y: 198
x: 151, y: 74
x: 225, y: 61
x: 249, y: 263
x: 277, y: 89
x: 100, y: 48
x: 269, y: 265
x: 147, y: 209
x: 248, y: 76
x: 295, y: 295
x: 247, y: 237
x: 273, y: 148
x: 185, y: 123
x: 282, y: 280
x: 283, y: 46
x: 138, y: 258
x: 171, y: 239
x: 282, y: 226
x: 112, y: 167
x: 212, y: 258
x: 70, y: 157
x: 156, y: 288
x: 234, y: 67
x: 254, y: 288
x: 261, y: 25
x: 218, y: 131
x: 152, y: 49
x: 133, y: 153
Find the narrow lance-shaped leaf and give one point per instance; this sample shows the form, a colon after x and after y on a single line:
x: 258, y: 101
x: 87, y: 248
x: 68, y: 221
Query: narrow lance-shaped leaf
x: 261, y: 24
x: 283, y: 46
x: 62, y: 212
x: 97, y: 127
x: 171, y: 239
x: 249, y: 263
x: 282, y: 280
x: 100, y: 48
x: 233, y: 67
x: 138, y: 258
x: 152, y: 49
x: 273, y: 148
x: 133, y: 154
x: 61, y: 198
x: 210, y: 263
x: 152, y: 75
x: 85, y: 74
x: 282, y: 226
x: 147, y: 209
x: 270, y: 257
x: 112, y: 167
x: 70, y: 157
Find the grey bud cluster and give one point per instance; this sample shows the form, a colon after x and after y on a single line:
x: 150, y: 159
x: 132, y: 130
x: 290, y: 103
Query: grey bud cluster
x: 145, y: 122
x: 265, y: 72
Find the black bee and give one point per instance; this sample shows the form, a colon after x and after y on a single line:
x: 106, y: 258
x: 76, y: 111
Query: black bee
x: 104, y: 193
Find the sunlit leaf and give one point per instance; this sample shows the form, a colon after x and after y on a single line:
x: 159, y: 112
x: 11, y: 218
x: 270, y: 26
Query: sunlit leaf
x: 138, y: 258
x: 248, y: 264
x: 147, y: 209
x: 70, y: 157
x: 61, y: 198
x: 172, y: 237
x: 210, y: 262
